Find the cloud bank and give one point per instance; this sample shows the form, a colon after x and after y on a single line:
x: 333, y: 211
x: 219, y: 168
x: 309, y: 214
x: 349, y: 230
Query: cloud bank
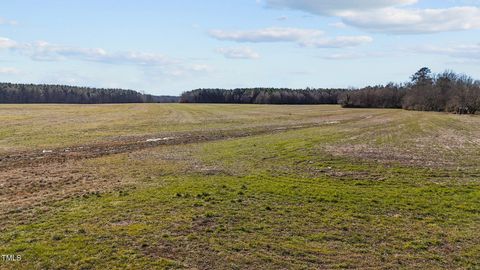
x: 334, y: 7
x: 45, y: 51
x: 388, y: 16
x: 303, y: 37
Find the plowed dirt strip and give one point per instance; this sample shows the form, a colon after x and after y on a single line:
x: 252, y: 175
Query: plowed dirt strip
x: 32, y: 158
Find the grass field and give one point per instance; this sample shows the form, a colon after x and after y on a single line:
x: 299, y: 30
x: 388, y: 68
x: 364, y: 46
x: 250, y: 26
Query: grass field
x: 238, y: 187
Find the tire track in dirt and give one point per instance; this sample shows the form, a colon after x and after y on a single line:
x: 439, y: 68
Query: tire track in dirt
x: 61, y: 155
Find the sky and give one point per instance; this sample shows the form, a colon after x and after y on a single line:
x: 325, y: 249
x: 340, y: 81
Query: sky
x: 167, y: 47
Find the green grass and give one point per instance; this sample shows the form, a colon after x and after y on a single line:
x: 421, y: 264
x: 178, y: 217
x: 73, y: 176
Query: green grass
x: 41, y: 126
x: 286, y: 200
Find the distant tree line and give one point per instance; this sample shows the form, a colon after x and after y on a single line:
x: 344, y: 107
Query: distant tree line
x: 448, y: 92
x: 263, y: 96
x: 380, y: 96
x: 445, y: 92
x: 41, y: 93
x: 161, y: 99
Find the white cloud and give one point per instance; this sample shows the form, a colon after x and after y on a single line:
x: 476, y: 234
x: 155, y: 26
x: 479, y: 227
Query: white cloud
x: 333, y: 7
x: 303, y: 37
x: 6, y: 43
x: 408, y: 21
x: 238, y: 53
x: 273, y: 34
x: 339, y: 42
x: 44, y: 51
x: 9, y: 71
x: 390, y: 16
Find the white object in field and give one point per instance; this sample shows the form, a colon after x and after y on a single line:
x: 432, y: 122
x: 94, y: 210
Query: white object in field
x: 160, y: 139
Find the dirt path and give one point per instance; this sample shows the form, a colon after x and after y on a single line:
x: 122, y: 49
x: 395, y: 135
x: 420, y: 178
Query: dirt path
x: 30, y: 181
x: 60, y: 155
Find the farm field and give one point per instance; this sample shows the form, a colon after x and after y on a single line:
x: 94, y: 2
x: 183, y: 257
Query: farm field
x: 180, y: 186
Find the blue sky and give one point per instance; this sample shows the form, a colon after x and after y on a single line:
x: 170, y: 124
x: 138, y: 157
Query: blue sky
x: 167, y: 47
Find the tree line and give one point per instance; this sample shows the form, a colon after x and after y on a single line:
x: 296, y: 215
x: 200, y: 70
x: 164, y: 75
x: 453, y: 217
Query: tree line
x: 263, y: 96
x: 447, y: 92
x: 42, y: 93
x: 444, y: 92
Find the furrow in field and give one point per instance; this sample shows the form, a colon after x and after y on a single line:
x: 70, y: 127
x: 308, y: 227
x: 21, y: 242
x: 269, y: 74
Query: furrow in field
x: 60, y: 155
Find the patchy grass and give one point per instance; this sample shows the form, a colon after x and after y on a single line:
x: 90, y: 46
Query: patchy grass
x: 287, y: 200
x: 26, y: 127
